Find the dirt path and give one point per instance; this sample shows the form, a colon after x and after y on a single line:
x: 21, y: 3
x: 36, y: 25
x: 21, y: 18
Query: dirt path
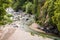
x: 7, y: 33
x: 22, y: 35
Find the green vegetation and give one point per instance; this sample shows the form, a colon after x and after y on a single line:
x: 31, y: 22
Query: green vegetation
x: 56, y: 17
x: 3, y: 15
x: 45, y: 11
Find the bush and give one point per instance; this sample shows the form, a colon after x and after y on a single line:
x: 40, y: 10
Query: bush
x: 3, y: 6
x: 56, y: 17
